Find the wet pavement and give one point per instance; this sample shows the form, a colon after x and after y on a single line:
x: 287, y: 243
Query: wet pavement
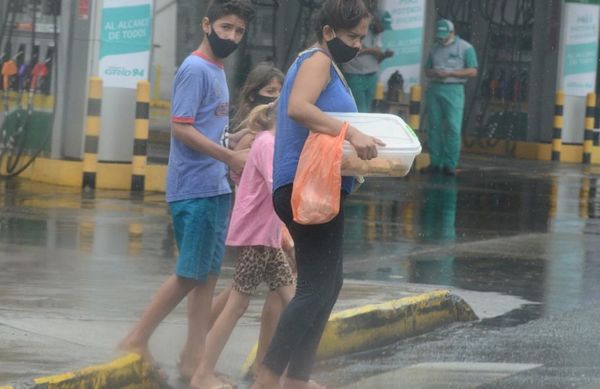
x: 517, y: 239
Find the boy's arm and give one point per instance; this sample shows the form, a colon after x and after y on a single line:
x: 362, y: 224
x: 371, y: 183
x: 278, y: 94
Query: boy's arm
x: 194, y: 139
x: 190, y: 88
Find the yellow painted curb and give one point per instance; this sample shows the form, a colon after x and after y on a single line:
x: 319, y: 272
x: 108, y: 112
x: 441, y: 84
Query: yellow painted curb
x: 110, y: 175
x: 529, y: 150
x: 376, y: 325
x: 129, y: 372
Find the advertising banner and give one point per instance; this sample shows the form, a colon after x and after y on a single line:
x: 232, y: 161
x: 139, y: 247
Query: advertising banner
x: 403, y: 33
x: 126, y: 39
x: 580, y: 47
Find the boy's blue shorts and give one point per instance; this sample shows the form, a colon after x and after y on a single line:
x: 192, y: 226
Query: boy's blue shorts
x: 200, y: 229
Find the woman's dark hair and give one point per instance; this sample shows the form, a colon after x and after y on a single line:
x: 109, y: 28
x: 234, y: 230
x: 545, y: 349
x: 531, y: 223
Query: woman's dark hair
x: 257, y: 79
x: 340, y: 14
x: 219, y: 8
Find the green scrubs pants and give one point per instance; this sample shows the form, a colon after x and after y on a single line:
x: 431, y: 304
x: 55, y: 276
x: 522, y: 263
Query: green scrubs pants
x: 363, y: 88
x: 445, y: 106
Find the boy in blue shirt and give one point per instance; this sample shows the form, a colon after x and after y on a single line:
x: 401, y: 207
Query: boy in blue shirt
x: 198, y: 192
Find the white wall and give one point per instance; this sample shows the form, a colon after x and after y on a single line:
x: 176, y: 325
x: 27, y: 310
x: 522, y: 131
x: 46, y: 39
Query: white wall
x: 165, y: 45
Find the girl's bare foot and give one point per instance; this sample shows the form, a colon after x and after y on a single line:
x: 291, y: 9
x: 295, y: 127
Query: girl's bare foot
x: 315, y: 385
x: 187, y: 366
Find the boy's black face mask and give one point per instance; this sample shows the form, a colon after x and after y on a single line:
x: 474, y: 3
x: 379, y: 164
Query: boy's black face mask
x: 222, y: 48
x: 340, y: 51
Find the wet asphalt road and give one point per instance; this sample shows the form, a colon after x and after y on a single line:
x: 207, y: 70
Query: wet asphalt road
x: 518, y: 228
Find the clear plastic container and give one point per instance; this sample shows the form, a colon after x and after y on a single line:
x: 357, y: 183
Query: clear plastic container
x: 393, y: 160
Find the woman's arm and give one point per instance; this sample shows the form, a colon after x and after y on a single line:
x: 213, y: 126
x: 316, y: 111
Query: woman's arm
x: 312, y: 79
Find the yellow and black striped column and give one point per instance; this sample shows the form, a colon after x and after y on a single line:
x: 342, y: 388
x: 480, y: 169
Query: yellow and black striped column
x: 584, y: 198
x: 588, y: 131
x: 140, y: 141
x: 92, y: 133
x: 414, y: 109
x: 559, y: 108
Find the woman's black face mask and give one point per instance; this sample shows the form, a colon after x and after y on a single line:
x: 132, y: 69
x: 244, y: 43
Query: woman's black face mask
x: 340, y: 51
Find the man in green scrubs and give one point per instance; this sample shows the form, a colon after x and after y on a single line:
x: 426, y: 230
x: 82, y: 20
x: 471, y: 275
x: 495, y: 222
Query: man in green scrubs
x: 452, y: 61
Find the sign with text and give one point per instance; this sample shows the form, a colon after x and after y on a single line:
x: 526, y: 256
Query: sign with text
x: 580, y: 54
x: 126, y: 40
x: 403, y: 22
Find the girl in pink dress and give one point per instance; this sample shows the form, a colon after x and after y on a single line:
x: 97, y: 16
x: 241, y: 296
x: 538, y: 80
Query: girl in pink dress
x: 257, y: 231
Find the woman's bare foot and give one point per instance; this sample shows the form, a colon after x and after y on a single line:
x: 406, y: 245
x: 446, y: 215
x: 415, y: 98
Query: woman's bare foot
x: 266, y: 379
x: 208, y: 382
x: 297, y: 384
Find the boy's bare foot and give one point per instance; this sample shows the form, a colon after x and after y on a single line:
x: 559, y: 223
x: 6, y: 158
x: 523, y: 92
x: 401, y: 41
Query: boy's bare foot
x: 208, y: 382
x: 128, y: 345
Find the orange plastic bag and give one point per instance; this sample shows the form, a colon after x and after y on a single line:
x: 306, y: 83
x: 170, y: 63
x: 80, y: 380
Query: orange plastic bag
x: 317, y: 185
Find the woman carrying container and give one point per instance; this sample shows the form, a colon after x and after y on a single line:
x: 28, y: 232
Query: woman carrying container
x: 313, y: 85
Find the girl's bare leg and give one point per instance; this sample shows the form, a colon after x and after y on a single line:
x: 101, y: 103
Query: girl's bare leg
x: 205, y: 376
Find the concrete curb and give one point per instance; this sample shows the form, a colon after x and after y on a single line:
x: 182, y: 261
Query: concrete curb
x: 376, y: 325
x: 129, y: 372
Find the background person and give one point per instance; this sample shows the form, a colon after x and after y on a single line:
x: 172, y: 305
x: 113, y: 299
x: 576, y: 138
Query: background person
x: 452, y: 61
x: 362, y: 72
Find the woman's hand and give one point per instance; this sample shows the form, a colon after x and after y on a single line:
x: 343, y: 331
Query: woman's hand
x: 365, y: 145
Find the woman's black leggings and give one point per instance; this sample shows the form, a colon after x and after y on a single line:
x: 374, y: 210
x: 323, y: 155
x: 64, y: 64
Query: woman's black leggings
x: 320, y: 276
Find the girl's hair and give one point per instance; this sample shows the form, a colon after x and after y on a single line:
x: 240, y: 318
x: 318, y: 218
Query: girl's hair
x: 220, y: 8
x: 257, y: 79
x: 340, y: 14
x: 261, y: 118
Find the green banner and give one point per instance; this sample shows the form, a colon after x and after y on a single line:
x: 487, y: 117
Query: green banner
x: 126, y: 30
x: 125, y: 42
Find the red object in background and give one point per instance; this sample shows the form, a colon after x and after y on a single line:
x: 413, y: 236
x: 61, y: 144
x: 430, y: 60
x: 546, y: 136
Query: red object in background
x: 84, y: 9
x: 39, y: 70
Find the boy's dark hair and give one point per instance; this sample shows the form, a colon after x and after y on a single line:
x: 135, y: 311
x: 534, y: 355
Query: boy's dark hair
x: 344, y: 14
x: 240, y: 8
